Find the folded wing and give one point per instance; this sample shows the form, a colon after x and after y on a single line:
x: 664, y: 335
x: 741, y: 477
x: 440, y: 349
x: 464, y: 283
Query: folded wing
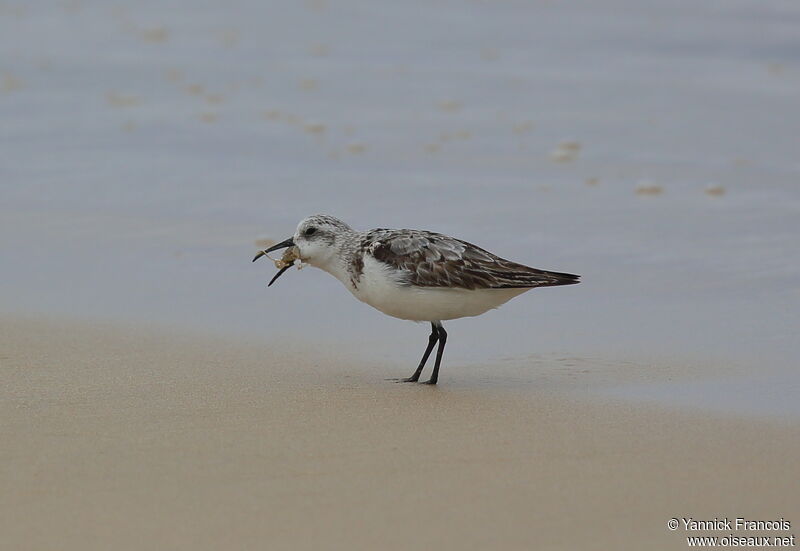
x: 428, y: 259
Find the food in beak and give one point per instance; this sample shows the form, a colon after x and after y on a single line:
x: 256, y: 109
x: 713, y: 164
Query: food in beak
x: 286, y: 261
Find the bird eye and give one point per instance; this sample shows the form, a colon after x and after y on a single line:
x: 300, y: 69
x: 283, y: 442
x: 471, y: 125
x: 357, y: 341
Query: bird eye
x: 310, y: 231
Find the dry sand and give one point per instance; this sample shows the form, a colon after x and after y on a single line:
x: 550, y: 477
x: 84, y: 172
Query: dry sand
x: 129, y: 439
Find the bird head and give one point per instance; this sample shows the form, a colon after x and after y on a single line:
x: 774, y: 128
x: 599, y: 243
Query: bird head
x: 316, y: 241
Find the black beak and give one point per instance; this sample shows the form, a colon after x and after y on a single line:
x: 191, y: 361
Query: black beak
x: 281, y: 245
x: 279, y: 274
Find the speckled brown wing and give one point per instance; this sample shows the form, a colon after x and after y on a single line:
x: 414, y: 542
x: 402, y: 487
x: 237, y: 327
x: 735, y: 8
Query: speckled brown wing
x: 428, y: 259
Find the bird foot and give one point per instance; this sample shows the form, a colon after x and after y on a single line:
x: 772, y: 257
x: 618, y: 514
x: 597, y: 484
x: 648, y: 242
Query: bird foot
x: 404, y: 379
x: 431, y: 382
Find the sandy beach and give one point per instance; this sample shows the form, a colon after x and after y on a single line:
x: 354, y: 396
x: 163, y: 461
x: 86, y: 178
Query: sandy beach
x: 155, y: 394
x: 118, y: 438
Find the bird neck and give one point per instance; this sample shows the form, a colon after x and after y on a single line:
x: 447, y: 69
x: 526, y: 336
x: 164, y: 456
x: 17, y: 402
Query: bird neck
x: 347, y: 264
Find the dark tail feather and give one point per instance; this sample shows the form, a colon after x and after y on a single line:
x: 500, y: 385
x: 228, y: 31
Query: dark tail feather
x: 527, y: 277
x: 560, y: 278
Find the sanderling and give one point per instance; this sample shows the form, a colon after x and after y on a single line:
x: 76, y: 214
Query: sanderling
x: 412, y: 274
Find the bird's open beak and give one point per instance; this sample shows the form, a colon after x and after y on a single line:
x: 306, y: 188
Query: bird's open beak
x: 281, y: 245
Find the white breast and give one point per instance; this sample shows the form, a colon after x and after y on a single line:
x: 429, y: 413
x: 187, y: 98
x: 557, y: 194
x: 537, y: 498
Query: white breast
x: 379, y: 287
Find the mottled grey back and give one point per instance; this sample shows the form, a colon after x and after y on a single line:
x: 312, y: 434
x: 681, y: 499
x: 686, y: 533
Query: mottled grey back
x: 429, y: 259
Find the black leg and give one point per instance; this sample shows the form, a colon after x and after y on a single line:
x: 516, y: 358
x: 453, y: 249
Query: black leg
x: 439, y: 352
x: 431, y: 341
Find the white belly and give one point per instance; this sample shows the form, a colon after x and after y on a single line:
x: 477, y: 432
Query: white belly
x: 377, y: 289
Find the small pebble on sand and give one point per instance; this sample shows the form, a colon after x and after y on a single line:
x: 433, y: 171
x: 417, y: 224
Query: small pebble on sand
x: 648, y: 188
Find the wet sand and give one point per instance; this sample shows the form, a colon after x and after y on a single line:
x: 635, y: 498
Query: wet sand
x: 123, y: 438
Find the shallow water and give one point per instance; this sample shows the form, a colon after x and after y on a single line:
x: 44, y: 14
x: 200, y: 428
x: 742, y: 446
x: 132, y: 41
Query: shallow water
x: 146, y: 148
